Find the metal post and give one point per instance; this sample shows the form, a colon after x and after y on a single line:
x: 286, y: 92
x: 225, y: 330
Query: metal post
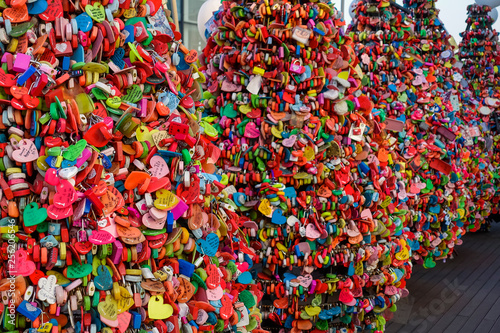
x: 342, y: 8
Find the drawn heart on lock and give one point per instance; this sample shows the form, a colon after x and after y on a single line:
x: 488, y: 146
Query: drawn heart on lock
x: 21, y: 265
x: 56, y: 213
x: 278, y: 217
x: 103, y: 280
x: 47, y: 289
x: 66, y: 194
x: 74, y: 151
x: 305, y: 281
x: 158, y: 167
x: 210, y: 245
x: 26, y: 153
x: 17, y: 14
x: 226, y: 311
x: 53, y: 11
x: 251, y: 131
x: 96, y: 12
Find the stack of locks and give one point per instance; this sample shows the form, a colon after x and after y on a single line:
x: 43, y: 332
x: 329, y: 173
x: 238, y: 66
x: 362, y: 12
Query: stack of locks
x: 479, y: 51
x: 111, y: 217
x: 310, y: 173
x: 293, y: 198
x: 479, y: 55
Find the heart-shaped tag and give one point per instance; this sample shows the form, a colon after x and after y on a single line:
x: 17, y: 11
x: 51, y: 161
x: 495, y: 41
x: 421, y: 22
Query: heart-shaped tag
x: 26, y: 153
x: 251, y: 131
x: 34, y: 215
x: 37, y: 7
x: 278, y: 217
x: 166, y: 200
x: 56, y: 213
x: 20, y: 265
x: 101, y: 237
x: 66, y: 194
x: 103, y: 280
x: 77, y: 271
x: 53, y: 11
x: 84, y: 22
x: 17, y: 14
x: 96, y: 12
x: 312, y: 231
x: 158, y: 167
x: 226, y: 310
x: 109, y: 308
x: 74, y: 151
x: 305, y: 281
x: 210, y: 245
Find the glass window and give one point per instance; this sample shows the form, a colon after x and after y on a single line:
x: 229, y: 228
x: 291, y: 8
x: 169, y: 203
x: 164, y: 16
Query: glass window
x: 188, y: 22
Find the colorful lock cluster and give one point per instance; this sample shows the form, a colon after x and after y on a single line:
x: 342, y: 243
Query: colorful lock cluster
x: 286, y: 179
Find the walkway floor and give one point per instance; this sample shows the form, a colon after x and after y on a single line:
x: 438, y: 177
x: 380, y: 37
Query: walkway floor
x: 459, y: 296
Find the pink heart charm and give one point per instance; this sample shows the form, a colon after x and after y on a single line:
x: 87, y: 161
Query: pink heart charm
x: 101, y: 237
x: 65, y: 196
x: 242, y: 267
x: 417, y: 81
x: 57, y: 213
x: 305, y: 281
x: 51, y: 177
x: 312, y: 231
x: 215, y: 294
x: 159, y: 167
x: 21, y: 265
x: 289, y: 142
x: 251, y: 131
x: 26, y: 153
x: 346, y: 296
x: 150, y: 222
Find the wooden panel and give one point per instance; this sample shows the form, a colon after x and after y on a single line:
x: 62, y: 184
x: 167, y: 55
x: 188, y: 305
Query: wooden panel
x: 475, y: 276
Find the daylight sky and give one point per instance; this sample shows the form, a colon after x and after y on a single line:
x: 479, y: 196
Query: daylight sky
x: 453, y: 14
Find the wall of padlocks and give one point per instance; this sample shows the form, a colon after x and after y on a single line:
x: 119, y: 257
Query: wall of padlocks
x: 285, y: 179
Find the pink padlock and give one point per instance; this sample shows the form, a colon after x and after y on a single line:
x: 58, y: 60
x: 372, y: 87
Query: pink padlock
x: 21, y: 63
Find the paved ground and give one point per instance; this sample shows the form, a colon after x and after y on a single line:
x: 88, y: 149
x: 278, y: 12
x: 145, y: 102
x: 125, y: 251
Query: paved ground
x: 459, y: 296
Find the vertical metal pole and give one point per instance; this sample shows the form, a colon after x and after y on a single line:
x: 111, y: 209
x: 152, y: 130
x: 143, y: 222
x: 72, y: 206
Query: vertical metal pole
x: 342, y: 8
